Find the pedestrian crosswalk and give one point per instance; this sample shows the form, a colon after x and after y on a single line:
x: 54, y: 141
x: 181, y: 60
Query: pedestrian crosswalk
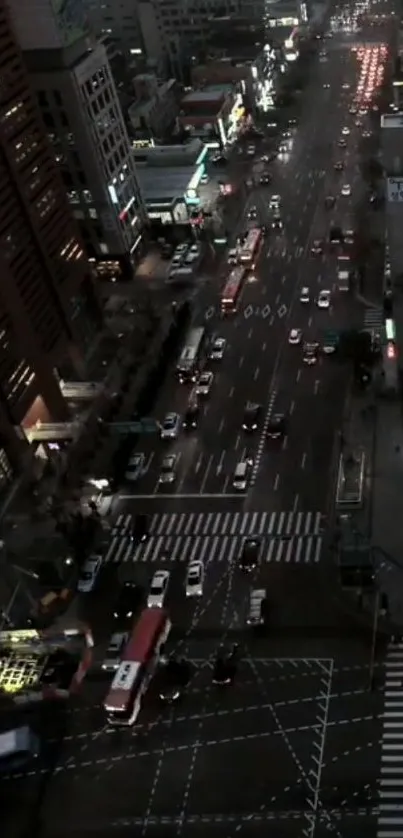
x: 174, y: 537
x: 390, y: 818
x: 373, y: 318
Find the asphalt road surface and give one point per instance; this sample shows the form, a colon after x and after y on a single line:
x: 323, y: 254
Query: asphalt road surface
x: 293, y: 747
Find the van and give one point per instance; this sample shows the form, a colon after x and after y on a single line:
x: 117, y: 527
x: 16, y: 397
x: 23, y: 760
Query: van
x: 113, y: 653
x: 257, y: 612
x: 242, y: 475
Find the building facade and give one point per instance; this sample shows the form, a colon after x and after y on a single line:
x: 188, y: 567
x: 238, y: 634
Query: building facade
x: 76, y: 93
x: 48, y: 309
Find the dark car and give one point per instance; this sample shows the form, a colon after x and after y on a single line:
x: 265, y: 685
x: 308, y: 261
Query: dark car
x: 191, y: 416
x: 219, y: 160
x: 129, y: 600
x: 265, y: 179
x: 330, y: 201
x: 225, y: 666
x: 173, y: 678
x: 339, y: 166
x: 251, y: 416
x: 140, y: 528
x: 277, y: 223
x: 249, y: 558
x: 317, y: 247
x: 335, y: 235
x: 276, y: 427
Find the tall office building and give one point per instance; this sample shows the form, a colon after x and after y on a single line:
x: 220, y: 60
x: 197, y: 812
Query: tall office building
x: 80, y: 106
x: 48, y: 310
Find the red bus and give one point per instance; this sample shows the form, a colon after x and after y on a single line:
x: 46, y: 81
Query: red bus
x: 232, y: 290
x: 139, y: 660
x: 250, y: 246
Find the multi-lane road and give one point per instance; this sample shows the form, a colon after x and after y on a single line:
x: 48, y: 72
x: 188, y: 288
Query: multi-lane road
x: 294, y: 746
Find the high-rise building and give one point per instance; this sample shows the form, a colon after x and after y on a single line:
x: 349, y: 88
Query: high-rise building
x: 48, y: 310
x: 80, y: 106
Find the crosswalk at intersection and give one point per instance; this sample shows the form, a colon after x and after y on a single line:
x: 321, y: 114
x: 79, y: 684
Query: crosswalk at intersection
x: 285, y: 537
x: 390, y: 819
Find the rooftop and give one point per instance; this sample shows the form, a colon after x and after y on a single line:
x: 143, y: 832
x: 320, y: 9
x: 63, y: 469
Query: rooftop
x: 212, y: 94
x: 160, y: 186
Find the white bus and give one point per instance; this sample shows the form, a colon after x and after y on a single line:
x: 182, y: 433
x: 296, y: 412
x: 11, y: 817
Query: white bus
x: 192, y: 355
x: 248, y: 250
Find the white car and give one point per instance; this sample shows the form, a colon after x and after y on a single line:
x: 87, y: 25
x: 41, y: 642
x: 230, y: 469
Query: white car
x: 88, y: 574
x: 324, y: 299
x: 204, y: 383
x: 135, y: 467
x: 251, y: 150
x: 158, y: 589
x: 204, y: 178
x: 171, y: 426
x: 168, y: 469
x: 194, y: 254
x: 242, y: 475
x: 274, y: 202
x: 217, y: 349
x: 304, y: 296
x: 232, y: 257
x: 345, y: 131
x: 195, y: 579
x: 346, y: 189
x: 295, y: 337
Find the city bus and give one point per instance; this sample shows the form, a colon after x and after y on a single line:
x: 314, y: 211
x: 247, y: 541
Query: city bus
x: 139, y: 660
x: 192, y: 355
x: 232, y: 290
x: 249, y: 248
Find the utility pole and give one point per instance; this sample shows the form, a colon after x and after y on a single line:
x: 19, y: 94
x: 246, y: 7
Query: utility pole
x: 374, y: 639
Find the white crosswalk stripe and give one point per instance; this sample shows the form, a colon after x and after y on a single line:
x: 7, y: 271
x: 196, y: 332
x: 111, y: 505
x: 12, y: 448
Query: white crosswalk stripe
x: 390, y: 819
x: 216, y: 548
x: 290, y: 537
x: 373, y: 318
x: 227, y: 523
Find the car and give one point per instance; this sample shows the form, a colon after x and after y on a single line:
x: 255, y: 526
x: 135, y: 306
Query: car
x: 317, y: 247
x: 287, y: 135
x: 353, y: 110
x: 304, y: 296
x: 345, y: 131
x: 323, y: 300
x: 171, y: 426
x: 204, y: 178
x: 265, y: 179
x: 232, y: 257
x: 204, y: 383
x: 249, y: 557
x: 252, y: 214
x: 168, y: 469
x: 242, y: 474
x: 265, y: 158
x: 140, y: 528
x: 158, y: 589
x: 366, y: 134
x: 88, y: 574
x: 283, y: 148
x: 292, y: 121
x: 348, y: 237
x: 274, y: 202
x: 251, y: 416
x: 225, y: 666
x: 258, y: 611
x: 310, y: 353
x: 276, y: 426
x: 193, y: 254
x: 192, y: 414
x: 251, y: 150
x: 326, y: 86
x: 335, y: 235
x: 135, y: 467
x: 330, y: 342
x: 330, y: 201
x: 129, y: 599
x: 277, y: 223
x: 342, y: 143
x: 338, y: 166
x: 346, y: 189
x: 345, y: 86
x: 217, y: 349
x: 295, y: 337
x: 113, y: 654
x: 173, y: 677
x: 194, y: 579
